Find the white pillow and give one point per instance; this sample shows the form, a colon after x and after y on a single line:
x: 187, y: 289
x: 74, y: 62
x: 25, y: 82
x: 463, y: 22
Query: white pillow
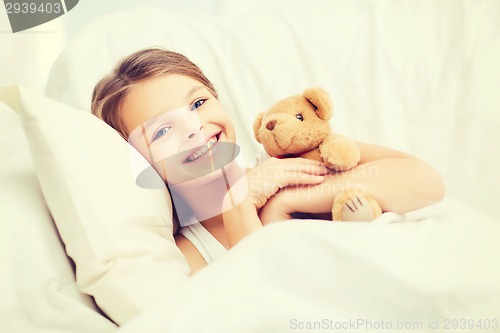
x: 118, y: 234
x: 38, y: 283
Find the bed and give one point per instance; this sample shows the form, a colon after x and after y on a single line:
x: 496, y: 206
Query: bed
x: 86, y: 250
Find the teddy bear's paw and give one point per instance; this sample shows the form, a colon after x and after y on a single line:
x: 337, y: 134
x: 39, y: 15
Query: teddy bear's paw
x: 338, y: 163
x: 340, y: 154
x: 355, y: 206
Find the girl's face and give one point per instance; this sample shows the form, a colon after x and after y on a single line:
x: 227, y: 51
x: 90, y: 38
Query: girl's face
x: 178, y: 126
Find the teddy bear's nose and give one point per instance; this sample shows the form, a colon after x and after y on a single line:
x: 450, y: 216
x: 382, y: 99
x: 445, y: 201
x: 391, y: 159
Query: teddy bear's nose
x: 270, y: 125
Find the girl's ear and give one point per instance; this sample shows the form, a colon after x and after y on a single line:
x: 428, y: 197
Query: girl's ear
x: 256, y: 126
x: 320, y: 99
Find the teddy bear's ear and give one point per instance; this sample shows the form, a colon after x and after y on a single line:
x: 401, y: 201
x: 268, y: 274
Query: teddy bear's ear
x: 321, y: 100
x: 256, y: 126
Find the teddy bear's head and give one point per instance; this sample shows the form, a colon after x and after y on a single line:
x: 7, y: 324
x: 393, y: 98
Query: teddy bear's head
x: 296, y: 124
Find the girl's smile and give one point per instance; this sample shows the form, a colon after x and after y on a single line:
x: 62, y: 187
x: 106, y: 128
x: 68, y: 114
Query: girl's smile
x: 202, y: 151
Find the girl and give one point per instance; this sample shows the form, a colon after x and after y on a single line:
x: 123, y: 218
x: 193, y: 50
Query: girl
x: 149, y: 87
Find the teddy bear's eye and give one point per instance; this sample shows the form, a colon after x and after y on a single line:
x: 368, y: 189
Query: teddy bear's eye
x: 299, y: 117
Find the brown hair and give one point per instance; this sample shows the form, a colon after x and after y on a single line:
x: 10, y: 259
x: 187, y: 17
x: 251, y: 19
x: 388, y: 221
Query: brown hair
x: 111, y: 90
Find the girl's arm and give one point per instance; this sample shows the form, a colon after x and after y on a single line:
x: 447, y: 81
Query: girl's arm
x: 191, y: 253
x: 399, y: 181
x: 241, y: 221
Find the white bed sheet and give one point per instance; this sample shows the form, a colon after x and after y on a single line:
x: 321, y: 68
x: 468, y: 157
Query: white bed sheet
x: 437, y: 263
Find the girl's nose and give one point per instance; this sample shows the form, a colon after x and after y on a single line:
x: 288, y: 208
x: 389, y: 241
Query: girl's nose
x: 193, y: 134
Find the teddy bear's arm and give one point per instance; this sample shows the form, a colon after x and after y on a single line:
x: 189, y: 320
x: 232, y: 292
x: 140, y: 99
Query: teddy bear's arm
x: 339, y: 153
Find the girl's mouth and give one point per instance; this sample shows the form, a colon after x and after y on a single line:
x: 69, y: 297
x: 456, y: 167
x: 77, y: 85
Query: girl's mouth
x: 201, y: 151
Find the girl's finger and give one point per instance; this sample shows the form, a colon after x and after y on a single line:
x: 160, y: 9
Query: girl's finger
x: 303, y: 179
x: 310, y: 168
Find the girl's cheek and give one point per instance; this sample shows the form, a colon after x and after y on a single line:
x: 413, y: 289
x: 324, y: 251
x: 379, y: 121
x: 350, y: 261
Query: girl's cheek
x: 162, y: 151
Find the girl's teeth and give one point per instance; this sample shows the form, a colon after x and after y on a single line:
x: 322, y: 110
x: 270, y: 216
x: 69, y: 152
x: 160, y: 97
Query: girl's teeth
x: 202, y: 150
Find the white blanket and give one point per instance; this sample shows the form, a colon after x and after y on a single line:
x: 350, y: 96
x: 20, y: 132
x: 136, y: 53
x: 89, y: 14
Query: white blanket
x: 424, y: 268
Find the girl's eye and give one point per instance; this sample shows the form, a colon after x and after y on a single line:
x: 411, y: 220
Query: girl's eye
x: 197, y: 104
x: 161, y: 132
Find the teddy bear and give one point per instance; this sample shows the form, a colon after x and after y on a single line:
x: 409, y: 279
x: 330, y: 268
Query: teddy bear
x: 299, y: 126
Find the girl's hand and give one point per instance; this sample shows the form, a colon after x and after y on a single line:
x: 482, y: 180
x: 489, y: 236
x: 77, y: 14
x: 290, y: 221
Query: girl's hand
x: 260, y: 184
x: 274, y: 174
